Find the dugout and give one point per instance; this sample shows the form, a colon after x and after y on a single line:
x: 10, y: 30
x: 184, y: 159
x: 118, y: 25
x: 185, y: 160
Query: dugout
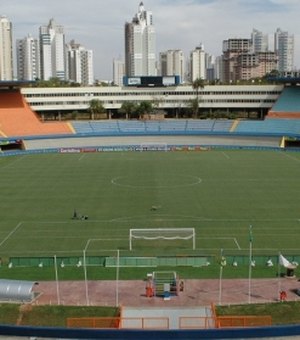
x: 16, y: 290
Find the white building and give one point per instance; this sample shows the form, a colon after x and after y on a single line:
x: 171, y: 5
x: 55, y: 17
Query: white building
x: 118, y: 71
x: 260, y: 41
x: 6, y: 54
x: 198, y: 63
x: 28, y: 58
x: 80, y: 64
x: 171, y: 63
x: 140, y: 45
x: 52, y: 51
x: 284, y: 48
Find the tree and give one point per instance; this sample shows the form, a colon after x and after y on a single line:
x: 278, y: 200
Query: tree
x: 145, y: 108
x: 96, y: 106
x: 128, y: 108
x: 193, y: 107
x: 197, y: 84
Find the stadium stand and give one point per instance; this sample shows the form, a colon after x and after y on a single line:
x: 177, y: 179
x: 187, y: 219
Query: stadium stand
x: 287, y: 105
x: 269, y: 127
x: 17, y: 118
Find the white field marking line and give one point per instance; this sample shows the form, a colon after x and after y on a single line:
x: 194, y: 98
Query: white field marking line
x: 291, y: 157
x: 11, y: 233
x: 197, y: 218
x: 237, y: 244
x: 225, y: 155
x: 221, y: 238
x: 197, y: 180
x: 18, y: 159
x: 81, y: 157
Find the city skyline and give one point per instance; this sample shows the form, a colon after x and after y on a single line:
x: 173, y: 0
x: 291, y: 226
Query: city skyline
x: 179, y: 24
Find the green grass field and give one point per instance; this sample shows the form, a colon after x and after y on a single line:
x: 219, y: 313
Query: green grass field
x: 219, y: 193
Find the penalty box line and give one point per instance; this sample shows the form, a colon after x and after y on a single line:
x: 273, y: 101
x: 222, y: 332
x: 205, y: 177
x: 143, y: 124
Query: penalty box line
x: 222, y: 238
x: 11, y: 233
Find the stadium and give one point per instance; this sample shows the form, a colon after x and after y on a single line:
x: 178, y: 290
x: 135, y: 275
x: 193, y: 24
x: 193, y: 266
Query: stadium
x: 167, y: 196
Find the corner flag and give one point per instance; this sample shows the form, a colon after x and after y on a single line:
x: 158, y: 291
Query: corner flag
x: 284, y: 262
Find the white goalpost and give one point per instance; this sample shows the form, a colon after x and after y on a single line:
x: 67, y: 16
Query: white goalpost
x: 162, y: 234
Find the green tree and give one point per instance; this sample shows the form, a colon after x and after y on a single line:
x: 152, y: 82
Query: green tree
x: 129, y: 109
x: 145, y: 108
x: 198, y: 84
x: 95, y: 107
x: 193, y: 107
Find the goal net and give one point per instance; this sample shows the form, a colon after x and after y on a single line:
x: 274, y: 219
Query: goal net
x: 167, y: 234
x: 153, y: 147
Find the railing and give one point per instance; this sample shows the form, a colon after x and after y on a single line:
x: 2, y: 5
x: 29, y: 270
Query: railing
x: 185, y: 322
x: 118, y: 322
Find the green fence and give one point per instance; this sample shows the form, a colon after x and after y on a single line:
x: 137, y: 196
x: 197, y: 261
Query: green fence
x: 126, y: 261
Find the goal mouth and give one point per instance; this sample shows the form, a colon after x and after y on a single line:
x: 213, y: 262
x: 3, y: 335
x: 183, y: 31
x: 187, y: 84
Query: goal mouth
x: 163, y: 234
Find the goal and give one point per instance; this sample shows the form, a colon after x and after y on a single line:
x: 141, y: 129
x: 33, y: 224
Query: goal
x: 153, y: 147
x: 162, y: 234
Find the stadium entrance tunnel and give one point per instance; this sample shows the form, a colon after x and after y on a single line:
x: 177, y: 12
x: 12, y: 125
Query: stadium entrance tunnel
x: 10, y: 145
x: 16, y: 291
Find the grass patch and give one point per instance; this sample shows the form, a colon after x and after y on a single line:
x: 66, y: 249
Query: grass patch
x: 54, y: 316
x: 102, y: 273
x: 282, y: 313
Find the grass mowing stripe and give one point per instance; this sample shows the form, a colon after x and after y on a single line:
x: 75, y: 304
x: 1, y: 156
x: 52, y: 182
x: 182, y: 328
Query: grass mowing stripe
x: 255, y: 187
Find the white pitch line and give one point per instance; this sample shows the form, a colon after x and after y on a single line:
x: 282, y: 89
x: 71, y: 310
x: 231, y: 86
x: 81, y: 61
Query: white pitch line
x: 12, y: 232
x: 291, y: 157
x: 237, y: 244
x: 225, y: 155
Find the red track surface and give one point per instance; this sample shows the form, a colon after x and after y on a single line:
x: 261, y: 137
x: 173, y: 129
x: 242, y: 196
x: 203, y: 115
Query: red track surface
x: 196, y: 292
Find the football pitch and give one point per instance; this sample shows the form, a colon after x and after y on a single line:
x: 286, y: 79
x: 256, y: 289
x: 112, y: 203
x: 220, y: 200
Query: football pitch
x: 219, y: 193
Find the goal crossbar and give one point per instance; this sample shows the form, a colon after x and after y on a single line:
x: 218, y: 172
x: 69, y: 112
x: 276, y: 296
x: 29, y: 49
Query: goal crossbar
x: 162, y: 234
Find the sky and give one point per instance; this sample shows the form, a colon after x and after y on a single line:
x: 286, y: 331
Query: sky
x: 180, y: 24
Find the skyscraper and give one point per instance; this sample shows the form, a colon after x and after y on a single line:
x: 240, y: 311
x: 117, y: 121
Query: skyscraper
x: 140, y: 45
x: 80, y: 64
x: 52, y: 51
x: 118, y: 72
x: 284, y: 48
x: 28, y: 58
x: 234, y: 52
x: 260, y: 41
x: 198, y: 63
x: 172, y: 63
x: 6, y: 54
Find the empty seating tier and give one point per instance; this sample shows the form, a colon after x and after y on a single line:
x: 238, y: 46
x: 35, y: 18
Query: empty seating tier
x: 17, y: 118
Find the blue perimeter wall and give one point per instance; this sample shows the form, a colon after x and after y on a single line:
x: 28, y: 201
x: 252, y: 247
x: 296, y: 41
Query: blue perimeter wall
x: 70, y: 333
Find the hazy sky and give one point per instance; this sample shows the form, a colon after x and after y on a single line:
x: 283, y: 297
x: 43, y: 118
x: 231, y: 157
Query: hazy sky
x: 179, y: 24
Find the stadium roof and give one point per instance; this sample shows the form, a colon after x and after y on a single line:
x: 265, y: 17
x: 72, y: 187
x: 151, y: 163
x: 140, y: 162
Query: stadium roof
x: 15, y: 83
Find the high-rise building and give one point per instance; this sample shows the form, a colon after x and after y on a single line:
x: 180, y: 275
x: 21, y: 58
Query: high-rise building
x: 118, y: 72
x: 198, y: 63
x: 80, y: 64
x: 284, y: 48
x: 6, y: 54
x: 260, y: 41
x: 52, y: 51
x: 140, y: 45
x: 232, y: 51
x: 172, y: 63
x: 28, y: 58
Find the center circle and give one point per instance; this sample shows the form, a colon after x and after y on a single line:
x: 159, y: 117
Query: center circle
x: 158, y: 182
